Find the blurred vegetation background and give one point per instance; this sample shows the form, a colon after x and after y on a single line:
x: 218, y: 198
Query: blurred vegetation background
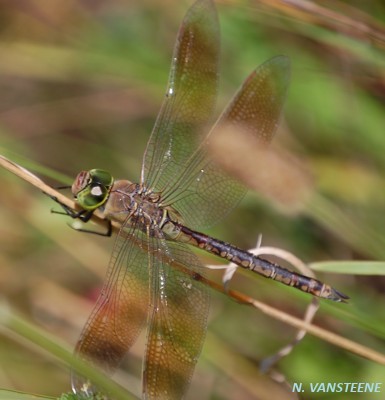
x: 81, y: 83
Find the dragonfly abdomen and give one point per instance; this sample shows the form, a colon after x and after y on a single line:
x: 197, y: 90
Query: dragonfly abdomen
x: 260, y: 265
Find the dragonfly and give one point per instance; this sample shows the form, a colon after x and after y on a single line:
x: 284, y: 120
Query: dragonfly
x: 181, y: 191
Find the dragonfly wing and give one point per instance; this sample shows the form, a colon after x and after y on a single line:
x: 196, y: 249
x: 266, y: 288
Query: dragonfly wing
x: 120, y: 312
x: 257, y: 105
x: 206, y: 193
x: 190, y: 98
x: 177, y: 324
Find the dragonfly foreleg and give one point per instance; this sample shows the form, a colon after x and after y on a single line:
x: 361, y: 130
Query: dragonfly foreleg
x: 84, y: 216
x: 108, y: 233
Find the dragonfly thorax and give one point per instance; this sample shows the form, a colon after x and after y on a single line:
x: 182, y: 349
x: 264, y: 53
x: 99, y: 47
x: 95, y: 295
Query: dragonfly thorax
x: 132, y: 204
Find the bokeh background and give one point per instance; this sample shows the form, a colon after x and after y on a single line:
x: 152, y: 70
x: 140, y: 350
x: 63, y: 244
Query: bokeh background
x: 81, y: 83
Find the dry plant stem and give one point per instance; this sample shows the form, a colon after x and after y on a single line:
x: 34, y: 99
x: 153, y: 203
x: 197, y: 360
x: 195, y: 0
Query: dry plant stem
x: 235, y: 295
x: 311, y: 309
x: 48, y: 190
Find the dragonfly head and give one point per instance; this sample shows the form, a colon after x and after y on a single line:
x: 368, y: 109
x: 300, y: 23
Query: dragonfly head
x: 92, y: 188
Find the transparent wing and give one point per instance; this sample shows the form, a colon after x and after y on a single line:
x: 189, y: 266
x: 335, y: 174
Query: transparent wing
x: 177, y: 324
x: 121, y: 310
x: 190, y: 98
x: 204, y: 193
x: 176, y: 162
x: 179, y: 306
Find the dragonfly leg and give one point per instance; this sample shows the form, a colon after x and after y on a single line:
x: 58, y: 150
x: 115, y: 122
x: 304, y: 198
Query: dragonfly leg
x: 108, y: 232
x: 84, y: 216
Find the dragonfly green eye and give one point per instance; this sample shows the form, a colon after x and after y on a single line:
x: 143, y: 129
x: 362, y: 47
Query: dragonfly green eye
x: 92, y: 188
